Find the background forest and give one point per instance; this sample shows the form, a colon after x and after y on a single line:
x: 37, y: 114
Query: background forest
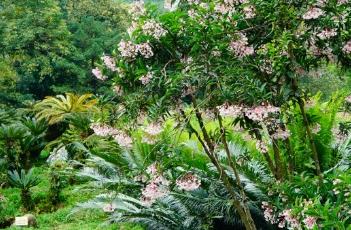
x: 185, y: 114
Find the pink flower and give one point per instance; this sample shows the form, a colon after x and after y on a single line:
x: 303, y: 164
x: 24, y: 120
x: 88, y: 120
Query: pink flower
x: 153, y: 129
x: 152, y: 169
x: 157, y: 188
x: 313, y: 13
x: 127, y: 49
x: 109, y: 62
x: 249, y: 12
x: 347, y: 47
x: 260, y: 113
x: 188, y: 182
x: 154, y: 29
x: 281, y: 134
x: 310, y: 222
x: 230, y: 110
x: 327, y: 33
x: 321, y: 3
x: 262, y: 147
x: 123, y: 139
x: 222, y: 8
x: 145, y: 79
x: 268, y: 213
x: 145, y: 50
x: 98, y: 74
x: 241, y: 47
x: 109, y: 208
x: 103, y: 130
x: 137, y: 9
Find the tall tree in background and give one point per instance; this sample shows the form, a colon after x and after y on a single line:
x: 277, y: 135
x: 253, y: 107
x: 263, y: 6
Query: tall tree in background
x: 96, y: 26
x: 36, y: 40
x: 51, y: 45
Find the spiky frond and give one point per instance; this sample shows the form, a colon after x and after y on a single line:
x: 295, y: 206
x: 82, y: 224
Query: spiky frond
x: 23, y: 180
x: 56, y: 109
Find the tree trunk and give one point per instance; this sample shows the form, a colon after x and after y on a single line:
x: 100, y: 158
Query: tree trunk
x: 244, y: 214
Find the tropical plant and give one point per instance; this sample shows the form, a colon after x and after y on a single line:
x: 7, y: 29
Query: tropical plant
x: 56, y: 109
x: 24, y: 181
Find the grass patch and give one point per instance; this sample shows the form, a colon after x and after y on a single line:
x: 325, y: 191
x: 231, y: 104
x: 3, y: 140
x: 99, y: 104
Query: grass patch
x: 58, y: 219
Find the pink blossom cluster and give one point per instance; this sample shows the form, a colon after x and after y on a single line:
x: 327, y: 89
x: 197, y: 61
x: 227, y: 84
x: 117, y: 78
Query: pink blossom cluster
x: 145, y: 79
x: 154, y: 29
x: 268, y: 212
x: 155, y: 189
x: 127, y: 49
x: 313, y: 13
x: 249, y: 12
x: 195, y: 2
x: 321, y: 3
x: 103, y: 129
x: 152, y: 169
x: 347, y: 47
x: 261, y: 146
x: 281, y: 134
x: 109, y: 62
x: 241, y: 47
x: 192, y: 14
x: 130, y: 50
x: 235, y: 2
x: 230, y: 110
x: 286, y: 218
x: 120, y: 137
x: 153, y: 129
x: 327, y: 34
x: 223, y: 8
x: 109, y: 208
x: 266, y: 67
x: 262, y: 112
x: 188, y: 182
x: 123, y: 140
x: 151, y: 133
x: 98, y: 74
x: 137, y: 9
x: 145, y: 50
x: 310, y: 222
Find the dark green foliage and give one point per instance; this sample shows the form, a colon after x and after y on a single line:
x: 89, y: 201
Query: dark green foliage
x: 321, y: 116
x: 24, y: 181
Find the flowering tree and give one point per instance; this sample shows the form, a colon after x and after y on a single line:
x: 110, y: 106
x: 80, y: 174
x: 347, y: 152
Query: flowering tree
x: 238, y: 58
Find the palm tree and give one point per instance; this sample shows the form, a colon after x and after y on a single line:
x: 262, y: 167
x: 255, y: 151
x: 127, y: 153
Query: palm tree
x: 56, y: 109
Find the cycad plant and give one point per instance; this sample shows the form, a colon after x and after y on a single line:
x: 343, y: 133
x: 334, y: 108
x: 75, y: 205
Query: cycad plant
x: 56, y: 109
x: 24, y: 181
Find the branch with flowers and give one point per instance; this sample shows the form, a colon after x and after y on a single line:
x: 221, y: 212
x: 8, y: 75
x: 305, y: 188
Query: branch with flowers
x: 240, y: 59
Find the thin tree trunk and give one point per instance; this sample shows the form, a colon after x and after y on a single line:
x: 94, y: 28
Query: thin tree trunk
x: 244, y: 214
x: 267, y: 157
x: 237, y: 176
x: 310, y: 138
x: 278, y: 160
